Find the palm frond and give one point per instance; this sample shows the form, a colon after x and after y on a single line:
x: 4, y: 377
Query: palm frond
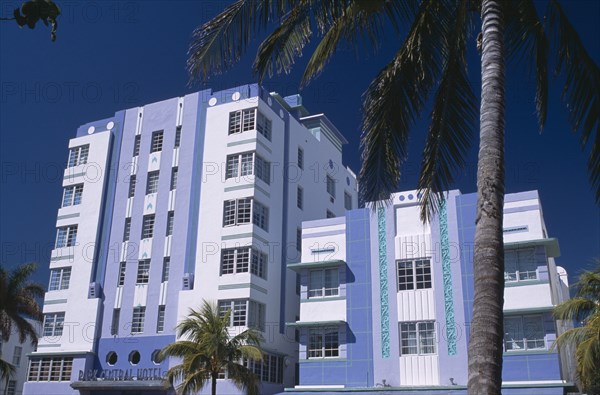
x: 581, y: 92
x: 453, y: 120
x: 243, y: 378
x: 7, y: 370
x: 395, y: 98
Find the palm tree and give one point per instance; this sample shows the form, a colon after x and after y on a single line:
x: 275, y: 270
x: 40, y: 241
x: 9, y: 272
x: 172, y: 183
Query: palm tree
x: 208, y: 350
x: 584, y: 308
x: 430, y: 60
x: 17, y: 301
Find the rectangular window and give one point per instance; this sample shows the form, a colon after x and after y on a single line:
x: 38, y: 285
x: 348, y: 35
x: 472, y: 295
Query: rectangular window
x: 174, y: 178
x: 143, y: 271
x: 324, y: 283
x: 136, y: 145
x: 11, y: 387
x: 242, y: 120
x: 114, y: 326
x: 524, y: 333
x: 170, y: 221
x: 148, y: 226
x: 417, y: 338
x: 260, y: 216
x: 78, y: 155
x: 137, y: 320
x: 248, y: 119
x: 347, y: 201
x: 244, y: 312
x: 59, y: 279
x: 16, y: 361
x: 66, y: 236
x: 248, y: 163
x: 121, y: 278
x: 236, y: 212
x: 152, y: 185
x: 263, y: 169
x: 414, y: 274
x: 127, y: 229
x: 157, y: 141
x: 53, y: 324
x: 329, y: 214
x: 131, y: 186
x: 50, y: 369
x: 331, y: 186
x: 300, y: 197
x: 263, y: 126
x: 165, y: 269
x: 300, y: 158
x: 256, y: 315
x: 177, y: 137
x: 160, y: 320
x: 72, y: 195
x: 299, y: 239
x: 519, y: 265
x: 323, y: 343
x: 242, y: 260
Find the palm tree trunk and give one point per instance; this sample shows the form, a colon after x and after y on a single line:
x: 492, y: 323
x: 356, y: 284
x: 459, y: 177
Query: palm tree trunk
x: 485, y: 341
x: 214, y: 384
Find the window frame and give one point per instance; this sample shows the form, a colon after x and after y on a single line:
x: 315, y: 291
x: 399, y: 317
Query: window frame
x: 72, y: 195
x: 347, y: 200
x: 152, y: 182
x: 300, y: 197
x: 525, y: 329
x: 421, y: 332
x: 160, y: 319
x: 137, y: 141
x: 148, y: 222
x: 78, y: 155
x: 143, y: 272
x: 325, y: 290
x: 66, y: 236
x: 242, y: 311
x: 121, y: 274
x: 138, y: 318
x: 53, y: 324
x: 170, y: 222
x: 519, y: 275
x: 412, y: 277
x: 62, y: 281
x: 174, y: 174
x: 300, y: 158
x: 156, y: 144
x: 165, y: 269
x: 255, y: 261
x: 317, y: 344
x: 330, y: 185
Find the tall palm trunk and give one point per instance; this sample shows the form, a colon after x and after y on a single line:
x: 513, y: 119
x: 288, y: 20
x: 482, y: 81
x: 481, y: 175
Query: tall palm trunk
x: 485, y: 341
x: 213, y: 382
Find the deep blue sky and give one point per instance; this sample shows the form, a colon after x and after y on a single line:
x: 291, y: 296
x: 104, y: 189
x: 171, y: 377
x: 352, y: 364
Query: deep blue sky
x: 115, y: 55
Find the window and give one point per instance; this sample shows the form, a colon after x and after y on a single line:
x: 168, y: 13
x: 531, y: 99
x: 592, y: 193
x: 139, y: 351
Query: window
x: 143, y: 272
x: 121, y: 278
x: 177, y: 137
x: 519, y: 265
x: 244, y: 312
x: 152, y: 185
x: 53, y: 324
x: 323, y: 343
x: 414, y: 274
x: 174, y: 178
x: 137, y: 320
x: 242, y: 260
x: 263, y: 169
x: 72, y: 195
x: 148, y: 226
x: 170, y: 220
x: 269, y: 369
x: 347, y: 201
x: 16, y: 361
x: 66, y: 236
x: 157, y: 141
x: 299, y: 239
x: 160, y: 320
x: 236, y: 212
x: 417, y: 338
x: 524, y: 333
x: 127, y: 229
x: 78, y: 155
x: 165, y: 269
x: 300, y: 197
x: 136, y: 145
x: 248, y: 163
x: 324, y: 283
x: 331, y: 186
x: 50, y: 369
x: 131, y: 186
x: 114, y: 326
x: 260, y: 216
x: 330, y: 214
x: 242, y: 120
x: 264, y: 126
x: 59, y: 279
x: 300, y: 158
x: 11, y: 387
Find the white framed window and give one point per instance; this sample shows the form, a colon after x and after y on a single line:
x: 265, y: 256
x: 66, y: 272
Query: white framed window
x: 262, y: 169
x: 417, y: 338
x: 136, y: 144
x: 330, y: 186
x: 11, y: 387
x: 414, y: 274
x: 243, y: 260
x: 270, y: 369
x: 347, y: 201
x: 324, y: 283
x: 59, y: 279
x: 53, y: 324
x: 174, y: 172
x: 242, y: 120
x: 127, y: 229
x: 143, y: 272
x: 114, y: 326
x: 72, y: 195
x: 132, y: 180
x: 260, y: 215
x: 177, y: 137
x: 523, y: 333
x: 300, y: 158
x: 160, y: 320
x: 121, y: 276
x: 329, y: 214
x: 170, y: 222
x: 242, y: 211
x: 157, y: 141
x: 244, y: 312
x: 300, y: 197
x: 148, y: 226
x: 66, y: 236
x: 248, y: 163
x: 520, y: 265
x: 137, y: 319
x: 17, y: 353
x: 323, y: 343
x: 78, y: 155
x: 264, y: 126
x: 50, y: 369
x: 165, y: 269
x: 152, y: 184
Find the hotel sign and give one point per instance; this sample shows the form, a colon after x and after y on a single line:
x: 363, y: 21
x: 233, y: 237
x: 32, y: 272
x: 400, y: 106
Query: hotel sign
x: 122, y: 374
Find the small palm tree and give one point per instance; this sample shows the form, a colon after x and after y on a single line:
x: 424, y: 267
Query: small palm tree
x: 584, y: 308
x: 208, y: 350
x: 17, y: 301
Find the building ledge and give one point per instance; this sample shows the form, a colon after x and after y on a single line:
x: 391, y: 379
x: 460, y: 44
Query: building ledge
x: 315, y: 323
x: 142, y: 385
x: 551, y: 245
x: 309, y: 265
x: 442, y: 388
